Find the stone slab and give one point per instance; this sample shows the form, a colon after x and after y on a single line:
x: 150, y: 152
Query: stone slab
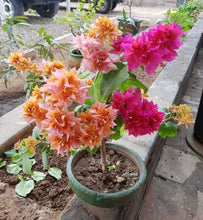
x: 176, y: 165
x: 141, y: 145
x: 179, y: 141
x: 171, y: 201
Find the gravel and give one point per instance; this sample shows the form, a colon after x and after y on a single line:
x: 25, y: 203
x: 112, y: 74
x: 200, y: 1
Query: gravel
x: 150, y: 14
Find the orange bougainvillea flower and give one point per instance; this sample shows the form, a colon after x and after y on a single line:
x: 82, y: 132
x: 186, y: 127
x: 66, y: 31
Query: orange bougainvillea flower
x: 181, y: 114
x: 106, y: 118
x: 37, y: 93
x: 63, y: 129
x: 33, y: 110
x: 104, y: 29
x: 21, y: 63
x: 66, y: 86
x: 17, y: 145
x: 89, y: 82
x: 97, y: 123
x: 30, y: 143
x: 49, y: 67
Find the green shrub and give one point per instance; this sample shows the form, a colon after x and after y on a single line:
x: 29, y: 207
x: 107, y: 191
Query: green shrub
x: 184, y: 15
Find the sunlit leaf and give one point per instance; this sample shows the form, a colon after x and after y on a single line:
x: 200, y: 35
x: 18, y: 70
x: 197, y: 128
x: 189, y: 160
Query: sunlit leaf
x: 55, y: 172
x: 112, y: 80
x: 24, y: 187
x: 10, y: 153
x: 38, y: 176
x: 13, y: 169
x: 168, y: 129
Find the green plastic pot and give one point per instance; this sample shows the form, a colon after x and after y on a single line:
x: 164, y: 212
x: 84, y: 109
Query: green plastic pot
x: 74, y: 59
x: 107, y: 200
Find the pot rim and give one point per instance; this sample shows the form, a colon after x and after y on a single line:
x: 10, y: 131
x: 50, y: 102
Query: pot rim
x: 110, y: 195
x: 77, y: 56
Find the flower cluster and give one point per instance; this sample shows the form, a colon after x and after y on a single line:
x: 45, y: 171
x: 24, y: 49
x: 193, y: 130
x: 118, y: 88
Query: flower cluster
x: 51, y: 106
x: 80, y: 113
x: 141, y: 116
x: 149, y: 49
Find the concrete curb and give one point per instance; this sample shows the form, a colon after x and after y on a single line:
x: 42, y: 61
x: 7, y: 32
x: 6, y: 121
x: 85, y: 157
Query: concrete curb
x: 13, y: 127
x: 166, y: 90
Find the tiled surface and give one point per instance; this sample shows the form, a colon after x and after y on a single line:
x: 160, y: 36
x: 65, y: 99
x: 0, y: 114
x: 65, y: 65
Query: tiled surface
x: 176, y: 191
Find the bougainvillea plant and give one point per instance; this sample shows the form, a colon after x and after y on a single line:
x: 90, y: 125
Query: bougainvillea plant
x: 85, y: 108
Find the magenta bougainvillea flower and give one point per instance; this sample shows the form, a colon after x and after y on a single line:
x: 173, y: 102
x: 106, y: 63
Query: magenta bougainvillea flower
x: 141, y: 116
x: 151, y: 48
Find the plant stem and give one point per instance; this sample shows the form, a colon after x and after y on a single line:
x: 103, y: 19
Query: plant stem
x: 103, y: 157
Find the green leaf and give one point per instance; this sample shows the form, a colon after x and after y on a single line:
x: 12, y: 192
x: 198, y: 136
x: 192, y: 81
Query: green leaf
x: 13, y: 169
x: 132, y: 81
x: 118, y: 129
x: 10, y: 153
x: 73, y: 152
x: 112, y: 80
x: 27, y: 164
x: 167, y: 129
x: 2, y: 164
x: 37, y: 176
x: 111, y: 167
x: 33, y: 161
x: 55, y: 172
x: 41, y: 30
x: 44, y: 160
x: 21, y: 43
x: 24, y: 187
x: 36, y: 133
x: 17, y: 158
x: 93, y: 151
x: 124, y: 14
x: 51, y: 56
x: 163, y: 109
x: 95, y: 88
x: 44, y: 52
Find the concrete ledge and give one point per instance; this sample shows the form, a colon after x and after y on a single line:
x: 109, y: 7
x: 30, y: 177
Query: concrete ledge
x: 13, y: 128
x: 166, y: 90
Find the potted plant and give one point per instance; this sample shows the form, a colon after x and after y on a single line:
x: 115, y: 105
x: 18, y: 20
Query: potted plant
x: 84, y: 114
x: 129, y: 25
x: 79, y: 21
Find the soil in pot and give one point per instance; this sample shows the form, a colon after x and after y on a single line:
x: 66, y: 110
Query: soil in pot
x: 89, y: 173
x: 46, y: 201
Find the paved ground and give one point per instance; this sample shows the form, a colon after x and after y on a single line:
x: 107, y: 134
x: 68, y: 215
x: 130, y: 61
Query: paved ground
x: 176, y: 191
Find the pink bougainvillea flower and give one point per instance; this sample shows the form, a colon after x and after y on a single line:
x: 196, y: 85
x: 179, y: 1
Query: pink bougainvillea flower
x: 98, y: 61
x: 119, y: 44
x: 153, y: 47
x: 127, y: 100
x: 139, y: 52
x: 86, y: 44
x: 167, y: 37
x: 117, y: 48
x: 144, y: 120
x: 141, y: 116
x: 66, y: 86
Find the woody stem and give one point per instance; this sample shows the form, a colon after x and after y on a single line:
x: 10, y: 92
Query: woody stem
x: 103, y: 157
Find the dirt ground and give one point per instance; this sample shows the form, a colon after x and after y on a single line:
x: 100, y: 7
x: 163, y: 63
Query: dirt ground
x: 12, y: 206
